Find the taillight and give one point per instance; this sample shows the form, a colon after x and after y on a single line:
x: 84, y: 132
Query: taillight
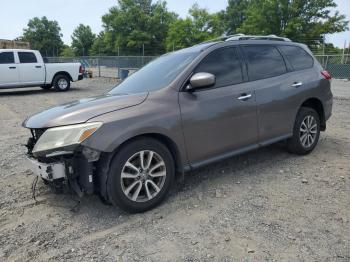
x: 326, y: 75
x: 81, y: 70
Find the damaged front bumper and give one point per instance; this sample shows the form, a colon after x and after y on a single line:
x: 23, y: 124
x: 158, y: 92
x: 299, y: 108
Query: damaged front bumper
x: 74, y: 167
x: 49, y: 172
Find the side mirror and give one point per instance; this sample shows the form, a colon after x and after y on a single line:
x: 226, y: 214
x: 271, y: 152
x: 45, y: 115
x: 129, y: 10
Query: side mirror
x: 200, y: 80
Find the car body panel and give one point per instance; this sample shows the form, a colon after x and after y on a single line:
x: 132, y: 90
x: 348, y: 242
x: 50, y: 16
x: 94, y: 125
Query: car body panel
x: 82, y: 110
x: 160, y: 115
x: 215, y: 121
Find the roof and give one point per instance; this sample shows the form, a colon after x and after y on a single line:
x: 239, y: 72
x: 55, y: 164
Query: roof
x: 18, y: 50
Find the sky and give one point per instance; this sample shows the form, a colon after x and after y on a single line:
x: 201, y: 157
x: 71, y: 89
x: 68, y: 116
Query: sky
x: 70, y: 13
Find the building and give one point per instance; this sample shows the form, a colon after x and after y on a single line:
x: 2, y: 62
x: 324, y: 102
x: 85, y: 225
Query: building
x: 12, y: 44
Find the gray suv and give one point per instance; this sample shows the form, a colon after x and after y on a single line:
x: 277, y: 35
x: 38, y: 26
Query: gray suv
x: 182, y: 111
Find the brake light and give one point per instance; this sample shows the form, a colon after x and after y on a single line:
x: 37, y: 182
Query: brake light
x: 81, y: 70
x: 326, y: 75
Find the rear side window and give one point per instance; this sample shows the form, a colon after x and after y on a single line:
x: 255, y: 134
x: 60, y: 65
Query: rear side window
x: 298, y: 57
x: 225, y: 64
x: 7, y: 58
x: 26, y: 57
x: 264, y: 62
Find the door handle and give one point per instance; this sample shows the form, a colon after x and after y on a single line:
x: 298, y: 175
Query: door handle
x: 12, y: 67
x: 245, y: 97
x: 297, y: 84
x: 38, y: 66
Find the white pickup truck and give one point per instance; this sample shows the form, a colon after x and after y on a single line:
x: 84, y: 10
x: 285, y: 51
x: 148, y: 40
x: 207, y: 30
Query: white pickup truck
x: 26, y: 68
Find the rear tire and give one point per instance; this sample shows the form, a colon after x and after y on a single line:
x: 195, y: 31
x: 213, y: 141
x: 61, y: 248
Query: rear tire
x: 61, y: 83
x: 306, y: 132
x: 137, y: 185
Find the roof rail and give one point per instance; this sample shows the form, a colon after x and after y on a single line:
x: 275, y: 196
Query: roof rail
x: 255, y: 37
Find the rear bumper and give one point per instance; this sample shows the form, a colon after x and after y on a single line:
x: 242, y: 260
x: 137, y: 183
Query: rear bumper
x: 80, y: 77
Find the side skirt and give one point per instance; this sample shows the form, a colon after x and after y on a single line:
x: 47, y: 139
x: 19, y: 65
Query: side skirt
x: 235, y: 152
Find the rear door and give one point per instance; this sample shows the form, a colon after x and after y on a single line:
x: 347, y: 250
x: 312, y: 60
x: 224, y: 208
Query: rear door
x: 9, y: 75
x: 276, y: 88
x: 31, y: 71
x: 221, y: 119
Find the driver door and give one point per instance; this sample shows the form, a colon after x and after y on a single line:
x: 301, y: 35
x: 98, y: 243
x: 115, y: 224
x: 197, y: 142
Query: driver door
x: 9, y: 75
x: 220, y: 120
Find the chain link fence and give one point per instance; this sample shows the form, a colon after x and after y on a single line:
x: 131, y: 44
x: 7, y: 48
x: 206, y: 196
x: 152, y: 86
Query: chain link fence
x: 106, y: 66
x: 337, y: 65
x: 112, y: 66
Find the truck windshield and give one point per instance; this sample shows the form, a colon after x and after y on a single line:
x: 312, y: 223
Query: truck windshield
x: 156, y: 75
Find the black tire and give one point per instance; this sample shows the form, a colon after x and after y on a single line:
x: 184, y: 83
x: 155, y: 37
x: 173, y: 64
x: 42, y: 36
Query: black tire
x: 295, y: 144
x: 46, y: 87
x: 115, y: 191
x: 57, y: 83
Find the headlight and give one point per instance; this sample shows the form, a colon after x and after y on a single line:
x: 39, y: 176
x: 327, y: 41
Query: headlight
x: 65, y: 135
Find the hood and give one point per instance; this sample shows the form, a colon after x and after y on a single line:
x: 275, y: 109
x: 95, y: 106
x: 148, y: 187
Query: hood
x: 80, y: 111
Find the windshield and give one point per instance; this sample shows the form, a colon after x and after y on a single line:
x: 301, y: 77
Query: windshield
x: 156, y: 75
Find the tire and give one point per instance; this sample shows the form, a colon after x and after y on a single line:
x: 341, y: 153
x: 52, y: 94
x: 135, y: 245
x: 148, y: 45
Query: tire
x: 301, y: 143
x: 120, y: 189
x: 46, y: 87
x: 61, y: 83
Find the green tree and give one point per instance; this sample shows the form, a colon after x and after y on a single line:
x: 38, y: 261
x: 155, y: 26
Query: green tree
x: 99, y: 48
x: 134, y: 24
x: 82, y: 40
x: 300, y: 20
x: 67, y: 51
x: 44, y: 35
x: 198, y: 27
x: 234, y: 15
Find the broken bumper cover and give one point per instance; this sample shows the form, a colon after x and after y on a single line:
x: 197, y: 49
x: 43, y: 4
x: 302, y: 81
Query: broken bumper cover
x: 48, y: 172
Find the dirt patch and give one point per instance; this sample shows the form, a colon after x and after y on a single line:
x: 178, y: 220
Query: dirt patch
x: 264, y: 205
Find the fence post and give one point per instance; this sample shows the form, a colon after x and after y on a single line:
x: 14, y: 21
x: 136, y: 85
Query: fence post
x: 326, y: 64
x: 99, y: 67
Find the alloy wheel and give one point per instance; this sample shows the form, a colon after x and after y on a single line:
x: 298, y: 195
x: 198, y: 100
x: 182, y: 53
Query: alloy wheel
x: 308, y: 131
x: 143, y: 176
x: 62, y: 84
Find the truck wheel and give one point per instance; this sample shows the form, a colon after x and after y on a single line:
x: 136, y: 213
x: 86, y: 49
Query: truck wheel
x: 46, y: 87
x: 61, y: 83
x: 140, y: 175
x: 306, y: 132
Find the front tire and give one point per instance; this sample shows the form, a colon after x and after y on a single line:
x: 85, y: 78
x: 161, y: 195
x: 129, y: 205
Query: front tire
x: 141, y: 175
x: 61, y: 83
x: 306, y: 132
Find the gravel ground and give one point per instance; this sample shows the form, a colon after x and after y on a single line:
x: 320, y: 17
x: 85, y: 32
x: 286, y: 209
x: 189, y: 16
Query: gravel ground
x: 266, y: 205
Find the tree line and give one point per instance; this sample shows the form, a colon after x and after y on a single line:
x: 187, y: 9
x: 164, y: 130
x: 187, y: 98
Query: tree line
x: 145, y: 27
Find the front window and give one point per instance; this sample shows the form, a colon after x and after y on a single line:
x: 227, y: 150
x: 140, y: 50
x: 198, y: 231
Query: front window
x: 156, y: 75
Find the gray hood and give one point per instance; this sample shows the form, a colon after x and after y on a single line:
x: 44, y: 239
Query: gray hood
x: 82, y: 110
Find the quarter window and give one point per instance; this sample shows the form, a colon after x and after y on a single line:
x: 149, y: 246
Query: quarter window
x: 225, y: 64
x: 264, y: 62
x: 7, y: 58
x: 27, y: 57
x: 298, y: 57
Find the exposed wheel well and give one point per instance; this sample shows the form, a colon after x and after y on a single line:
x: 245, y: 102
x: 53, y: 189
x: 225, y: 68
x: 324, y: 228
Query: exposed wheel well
x: 63, y: 73
x: 316, y: 104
